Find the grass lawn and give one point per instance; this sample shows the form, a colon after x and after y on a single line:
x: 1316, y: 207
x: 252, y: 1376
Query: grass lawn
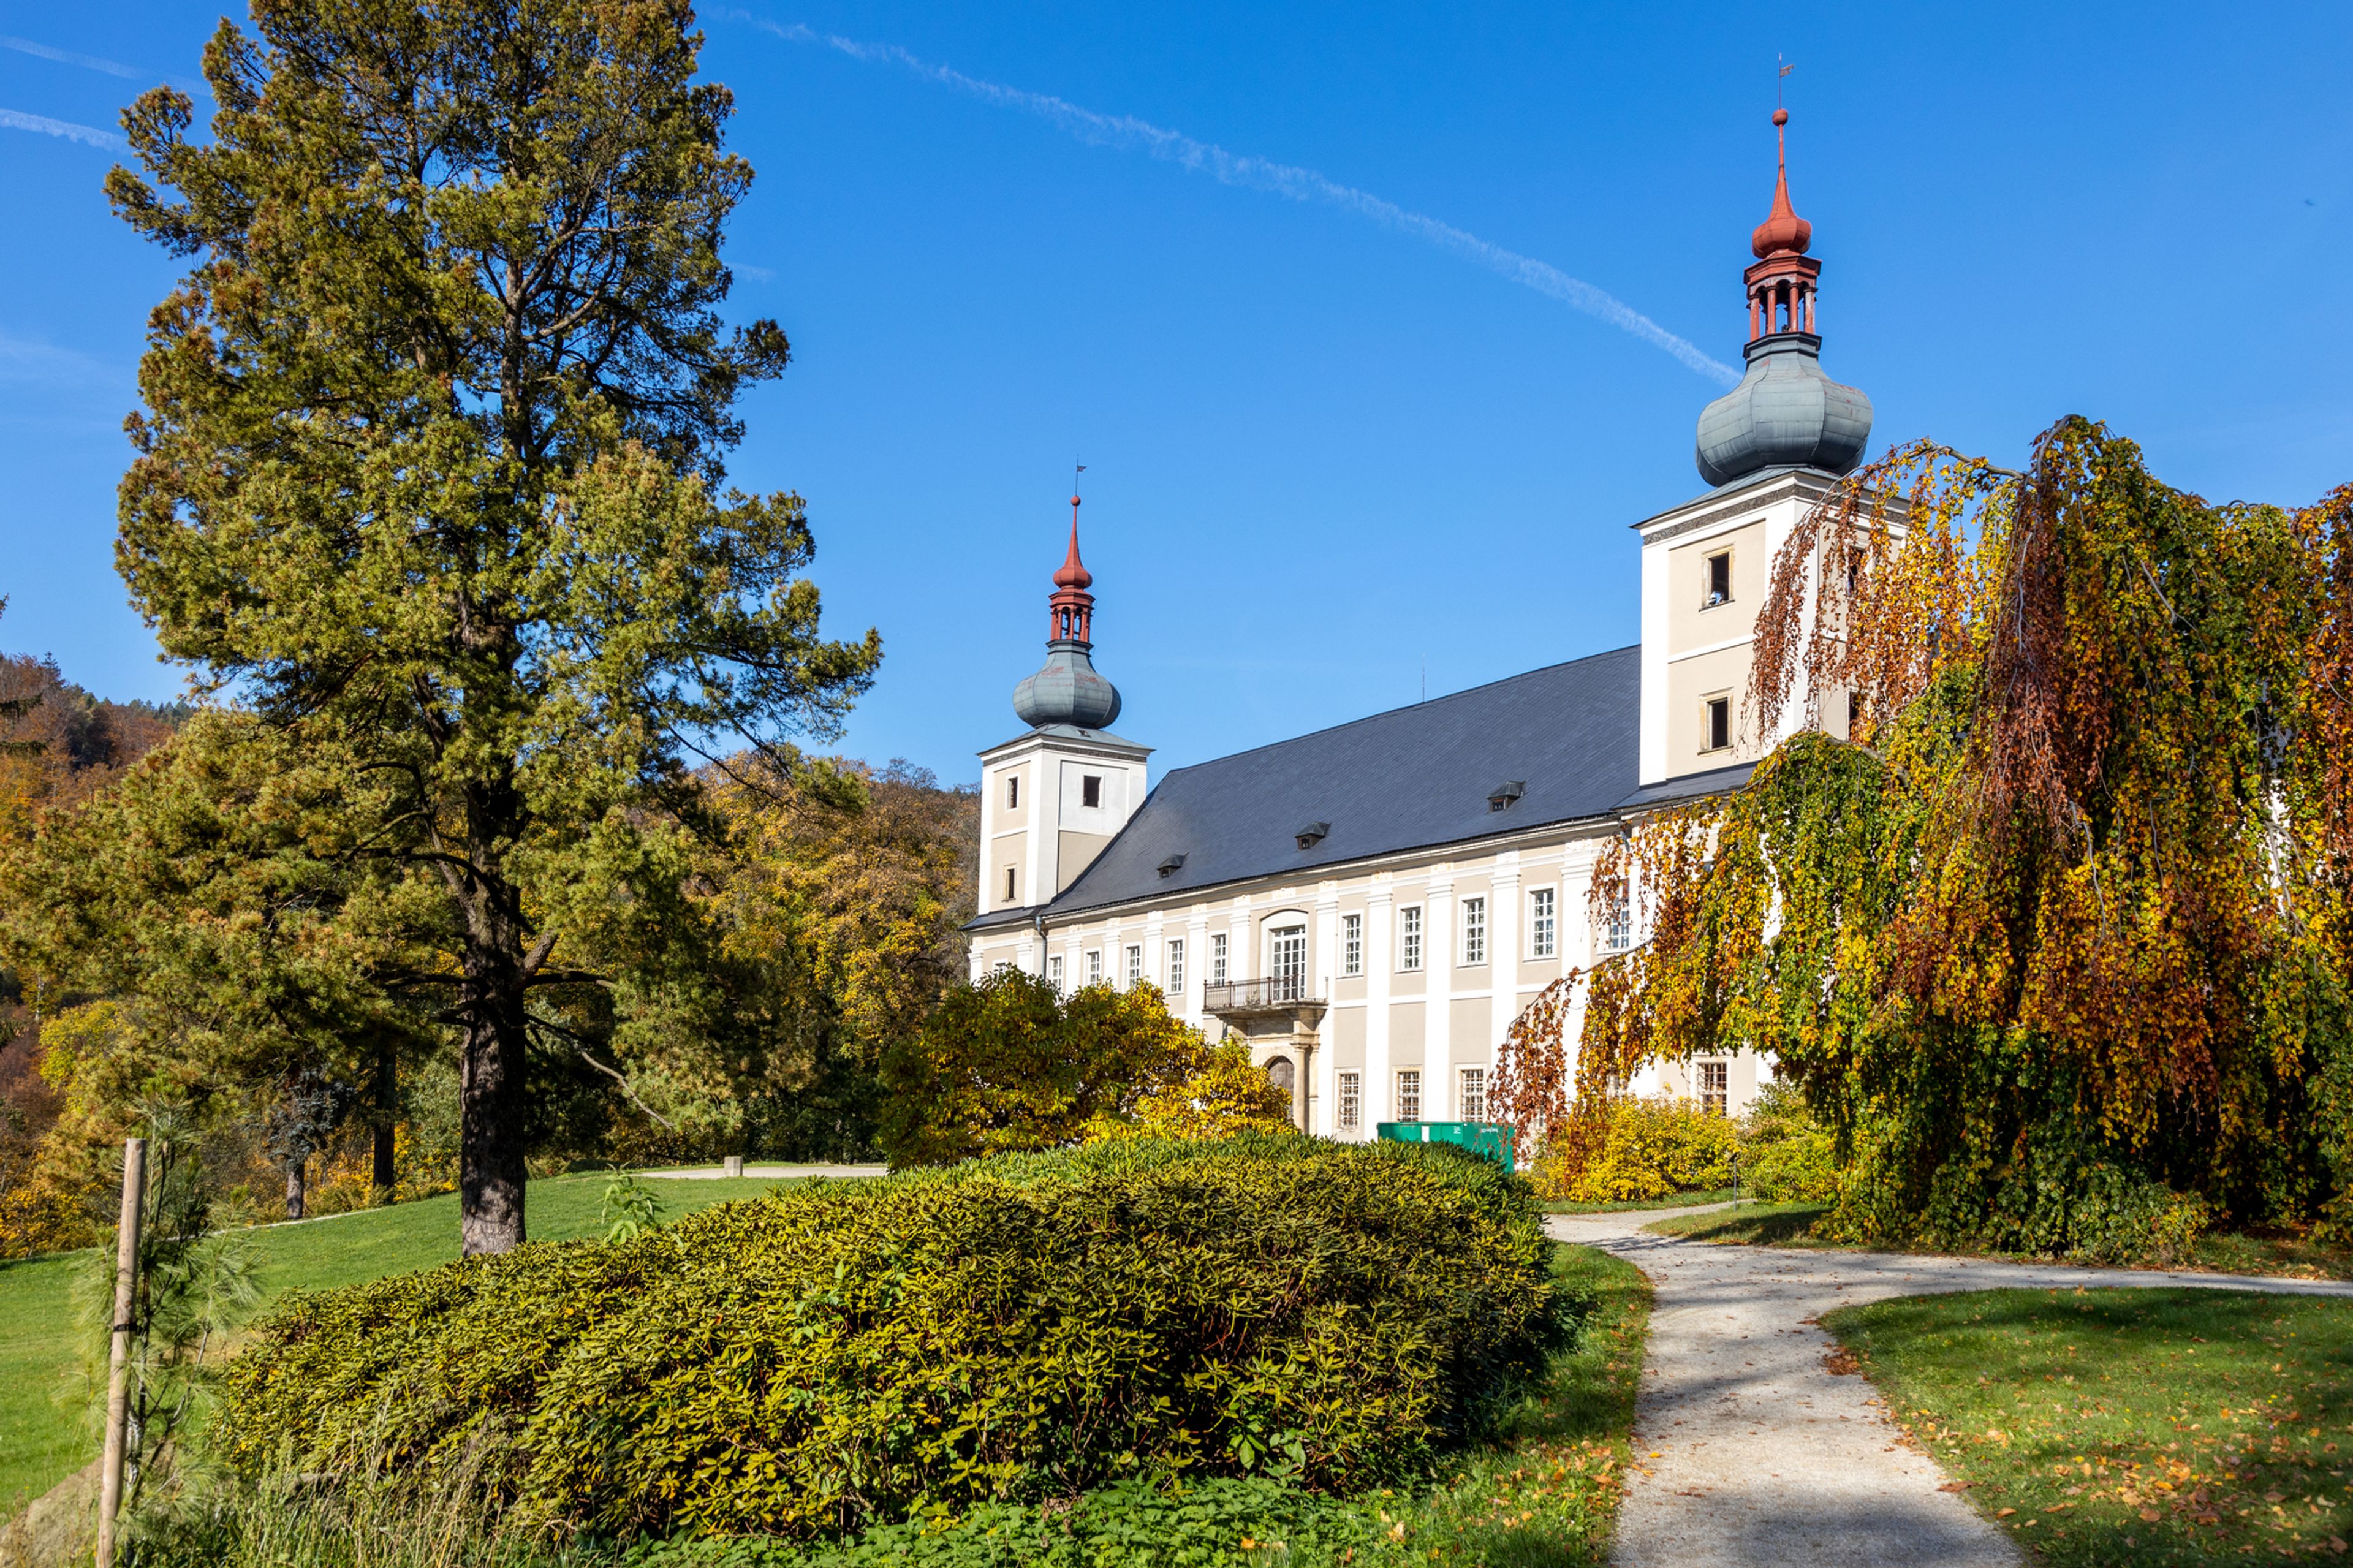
x: 1672, y: 1200
x: 2128, y: 1425
x: 42, y: 1442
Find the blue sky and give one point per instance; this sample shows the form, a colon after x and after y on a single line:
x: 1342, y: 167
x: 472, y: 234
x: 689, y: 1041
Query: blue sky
x: 1327, y: 453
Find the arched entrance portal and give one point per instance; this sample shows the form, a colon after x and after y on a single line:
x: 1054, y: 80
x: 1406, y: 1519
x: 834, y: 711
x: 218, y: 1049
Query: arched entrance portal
x: 1284, y: 1077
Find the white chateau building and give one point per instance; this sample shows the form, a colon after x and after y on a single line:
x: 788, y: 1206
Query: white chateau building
x: 1371, y: 905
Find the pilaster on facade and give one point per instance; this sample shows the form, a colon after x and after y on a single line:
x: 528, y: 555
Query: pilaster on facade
x: 1439, y: 920
x: 1378, y: 1088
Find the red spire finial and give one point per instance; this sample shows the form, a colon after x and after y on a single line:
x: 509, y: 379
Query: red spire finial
x: 1784, y: 231
x: 1071, y: 609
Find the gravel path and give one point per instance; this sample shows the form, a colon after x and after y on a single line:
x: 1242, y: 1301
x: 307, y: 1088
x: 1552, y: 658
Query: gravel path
x: 1749, y: 1450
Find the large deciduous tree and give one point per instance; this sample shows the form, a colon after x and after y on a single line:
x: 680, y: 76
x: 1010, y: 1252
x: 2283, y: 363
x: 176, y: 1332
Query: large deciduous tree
x: 431, y: 459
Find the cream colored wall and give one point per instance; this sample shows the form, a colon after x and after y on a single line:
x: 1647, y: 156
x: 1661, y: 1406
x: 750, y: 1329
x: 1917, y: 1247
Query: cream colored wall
x: 1074, y: 852
x: 1691, y: 623
x: 1006, y: 850
x: 1690, y: 683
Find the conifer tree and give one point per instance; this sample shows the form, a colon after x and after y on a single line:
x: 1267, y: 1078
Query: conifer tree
x: 431, y: 463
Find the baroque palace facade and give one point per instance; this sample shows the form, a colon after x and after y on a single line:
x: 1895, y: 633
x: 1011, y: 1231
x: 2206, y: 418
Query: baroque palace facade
x: 1371, y: 905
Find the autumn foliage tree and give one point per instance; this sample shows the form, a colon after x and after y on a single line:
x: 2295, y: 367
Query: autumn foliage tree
x: 431, y: 468
x: 2058, y: 943
x: 1008, y: 1063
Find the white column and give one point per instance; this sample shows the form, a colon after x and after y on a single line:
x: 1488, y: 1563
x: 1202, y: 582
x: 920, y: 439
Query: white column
x: 1154, y: 956
x: 1505, y: 918
x: 1039, y: 873
x: 1441, y: 923
x: 1380, y: 962
x: 1196, y: 964
x: 1324, y: 1102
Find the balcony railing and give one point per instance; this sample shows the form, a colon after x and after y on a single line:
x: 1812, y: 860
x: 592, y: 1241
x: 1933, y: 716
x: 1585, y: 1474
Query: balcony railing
x: 1259, y: 995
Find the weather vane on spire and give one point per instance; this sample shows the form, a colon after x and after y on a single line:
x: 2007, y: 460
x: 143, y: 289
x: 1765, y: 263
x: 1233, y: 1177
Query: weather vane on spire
x: 1787, y: 66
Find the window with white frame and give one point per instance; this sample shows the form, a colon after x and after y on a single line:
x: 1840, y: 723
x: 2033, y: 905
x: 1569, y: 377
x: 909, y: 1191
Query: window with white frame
x: 1135, y: 963
x: 1714, y: 1081
x: 1218, y: 959
x: 1094, y: 966
x: 1474, y: 1094
x: 1176, y: 966
x: 1409, y: 1096
x: 1012, y: 792
x: 1475, y: 930
x: 1008, y: 884
x: 1352, y: 944
x: 1409, y: 937
x: 1618, y: 925
x: 1544, y: 925
x: 1352, y: 1100
x: 1054, y: 971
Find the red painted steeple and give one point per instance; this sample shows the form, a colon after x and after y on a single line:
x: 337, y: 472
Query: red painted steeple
x: 1071, y: 609
x: 1781, y: 284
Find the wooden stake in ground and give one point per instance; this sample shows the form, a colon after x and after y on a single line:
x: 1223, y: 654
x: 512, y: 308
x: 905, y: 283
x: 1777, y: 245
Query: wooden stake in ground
x: 118, y: 1366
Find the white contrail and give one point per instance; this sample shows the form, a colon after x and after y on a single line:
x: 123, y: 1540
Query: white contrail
x: 16, y: 119
x: 68, y: 57
x: 1283, y: 179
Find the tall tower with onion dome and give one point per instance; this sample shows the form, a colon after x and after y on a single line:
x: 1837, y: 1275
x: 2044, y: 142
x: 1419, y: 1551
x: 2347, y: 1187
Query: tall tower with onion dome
x: 1052, y: 796
x: 1785, y: 412
x: 1771, y: 448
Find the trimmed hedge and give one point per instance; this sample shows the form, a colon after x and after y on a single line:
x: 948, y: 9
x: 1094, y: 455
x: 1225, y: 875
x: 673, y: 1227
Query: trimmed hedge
x: 844, y: 1354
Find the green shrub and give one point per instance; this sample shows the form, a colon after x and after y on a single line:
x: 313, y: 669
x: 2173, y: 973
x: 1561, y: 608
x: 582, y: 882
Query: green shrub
x: 837, y: 1355
x: 1655, y: 1147
x: 1785, y: 1156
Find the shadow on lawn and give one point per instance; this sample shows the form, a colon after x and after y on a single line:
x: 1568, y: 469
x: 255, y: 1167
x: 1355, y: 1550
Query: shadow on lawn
x: 1761, y: 1227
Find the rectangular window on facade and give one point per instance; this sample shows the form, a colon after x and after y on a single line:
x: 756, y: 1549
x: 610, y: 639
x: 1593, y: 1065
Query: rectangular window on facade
x: 1008, y: 884
x: 1352, y: 1100
x: 1855, y: 717
x: 1544, y: 925
x: 1618, y: 926
x: 1217, y: 960
x: 1054, y: 971
x: 1475, y: 930
x: 1090, y: 790
x: 1719, y: 581
x: 1409, y: 937
x: 1714, y: 1081
x: 1094, y: 966
x: 1474, y: 1094
x: 1012, y: 791
x: 1718, y: 724
x: 1134, y: 964
x: 1409, y: 1096
x: 1177, y: 967
x: 1352, y: 944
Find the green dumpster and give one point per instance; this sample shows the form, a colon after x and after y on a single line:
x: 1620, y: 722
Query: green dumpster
x: 1491, y: 1140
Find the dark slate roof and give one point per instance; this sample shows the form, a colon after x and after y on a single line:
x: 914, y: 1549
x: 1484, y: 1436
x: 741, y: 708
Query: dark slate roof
x: 1409, y: 779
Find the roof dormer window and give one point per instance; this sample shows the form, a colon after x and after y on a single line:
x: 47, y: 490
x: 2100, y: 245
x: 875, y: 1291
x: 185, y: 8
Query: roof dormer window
x: 1312, y: 835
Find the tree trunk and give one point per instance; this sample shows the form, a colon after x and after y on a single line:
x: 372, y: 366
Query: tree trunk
x: 491, y: 1172
x: 294, y: 1169
x: 384, y: 1176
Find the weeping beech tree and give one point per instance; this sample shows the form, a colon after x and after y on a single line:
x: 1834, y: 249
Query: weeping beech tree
x: 431, y: 464
x: 2058, y: 942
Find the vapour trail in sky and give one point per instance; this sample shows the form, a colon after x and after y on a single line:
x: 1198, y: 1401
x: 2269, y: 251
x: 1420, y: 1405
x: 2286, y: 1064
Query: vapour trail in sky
x: 67, y: 57
x: 16, y: 119
x: 1126, y: 132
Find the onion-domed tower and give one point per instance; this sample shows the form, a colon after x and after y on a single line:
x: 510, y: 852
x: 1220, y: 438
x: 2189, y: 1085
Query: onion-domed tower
x: 1785, y: 412
x: 1053, y: 795
x: 1068, y: 691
